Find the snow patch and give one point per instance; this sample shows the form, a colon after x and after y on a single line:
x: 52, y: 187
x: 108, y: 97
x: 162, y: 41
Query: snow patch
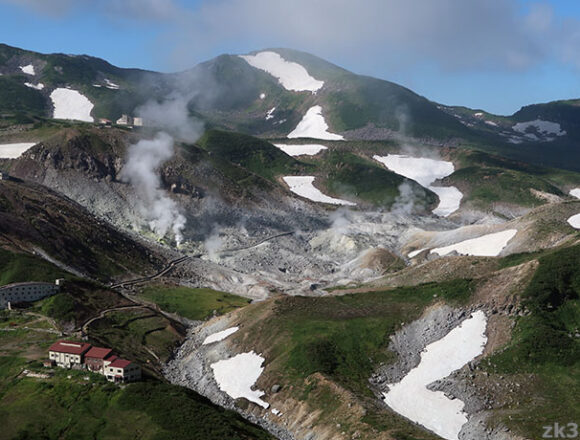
x: 292, y: 76
x: 38, y: 86
x: 314, y: 126
x: 304, y: 187
x: 432, y: 409
x: 489, y: 245
x: 236, y: 377
x: 220, y: 336
x: 574, y: 221
x: 478, y: 114
x: 493, y: 124
x: 426, y: 171
x: 14, y: 151
x: 270, y: 113
x: 449, y: 200
x: 111, y: 85
x: 29, y: 69
x: 262, y: 95
x: 575, y: 192
x: 301, y: 150
x: 70, y: 104
x: 543, y: 127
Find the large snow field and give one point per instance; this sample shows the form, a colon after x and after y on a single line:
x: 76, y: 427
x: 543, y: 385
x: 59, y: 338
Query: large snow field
x: 220, y: 336
x: 314, y: 126
x: 14, y: 151
x: 70, y: 104
x: 574, y: 221
x: 29, y: 69
x: 236, y: 376
x: 38, y: 86
x: 426, y: 171
x: 544, y: 127
x: 432, y: 409
x: 292, y: 76
x: 301, y: 150
x: 304, y: 187
x: 575, y: 192
x: 489, y: 245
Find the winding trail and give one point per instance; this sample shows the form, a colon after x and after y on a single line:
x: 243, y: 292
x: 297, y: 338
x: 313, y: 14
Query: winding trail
x: 162, y: 272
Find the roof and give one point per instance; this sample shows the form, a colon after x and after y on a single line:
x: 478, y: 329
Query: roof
x: 98, y: 353
x: 32, y: 283
x: 120, y: 363
x: 70, y: 347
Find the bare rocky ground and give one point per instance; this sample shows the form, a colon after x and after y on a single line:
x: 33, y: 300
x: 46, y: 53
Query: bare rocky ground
x: 295, y: 247
x: 191, y: 368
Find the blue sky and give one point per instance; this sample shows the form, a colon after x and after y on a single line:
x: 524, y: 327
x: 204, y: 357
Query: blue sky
x: 497, y: 55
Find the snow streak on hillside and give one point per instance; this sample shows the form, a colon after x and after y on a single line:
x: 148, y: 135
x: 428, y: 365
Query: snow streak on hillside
x: 70, y: 104
x: 575, y: 192
x: 38, y: 86
x: 292, y: 76
x: 432, y: 409
x: 13, y: 151
x: 29, y: 69
x: 543, y: 127
x: 303, y: 186
x: 489, y: 245
x: 425, y: 172
x: 220, y: 336
x: 314, y: 126
x: 301, y: 150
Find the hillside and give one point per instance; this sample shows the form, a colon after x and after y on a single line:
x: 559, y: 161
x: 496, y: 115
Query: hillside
x: 313, y: 251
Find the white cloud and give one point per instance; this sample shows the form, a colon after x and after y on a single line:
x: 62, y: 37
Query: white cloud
x: 455, y: 34
x: 126, y: 9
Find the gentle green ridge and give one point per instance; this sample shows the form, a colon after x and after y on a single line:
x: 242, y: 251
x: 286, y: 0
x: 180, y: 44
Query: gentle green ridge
x: 17, y: 268
x: 196, y: 304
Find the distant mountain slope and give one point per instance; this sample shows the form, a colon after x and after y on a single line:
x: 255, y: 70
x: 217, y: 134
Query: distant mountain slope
x: 229, y: 92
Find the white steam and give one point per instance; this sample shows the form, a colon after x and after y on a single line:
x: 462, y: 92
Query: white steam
x: 159, y: 210
x: 405, y: 202
x: 172, y: 115
x: 213, y: 244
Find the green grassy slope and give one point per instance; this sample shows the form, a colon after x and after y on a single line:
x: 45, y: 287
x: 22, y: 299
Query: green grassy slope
x: 486, y: 179
x: 256, y: 155
x: 545, y: 348
x: 17, y: 268
x: 196, y: 304
x: 66, y: 406
x: 342, y: 338
x: 347, y: 174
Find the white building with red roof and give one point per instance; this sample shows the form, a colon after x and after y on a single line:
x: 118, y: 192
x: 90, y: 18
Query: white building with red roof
x: 96, y: 357
x: 121, y: 371
x: 67, y: 354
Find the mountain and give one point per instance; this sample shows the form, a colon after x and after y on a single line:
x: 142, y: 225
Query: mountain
x: 229, y: 92
x: 292, y: 241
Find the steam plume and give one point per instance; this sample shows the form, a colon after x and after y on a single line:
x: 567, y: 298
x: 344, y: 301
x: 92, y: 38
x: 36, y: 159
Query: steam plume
x: 160, y: 211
